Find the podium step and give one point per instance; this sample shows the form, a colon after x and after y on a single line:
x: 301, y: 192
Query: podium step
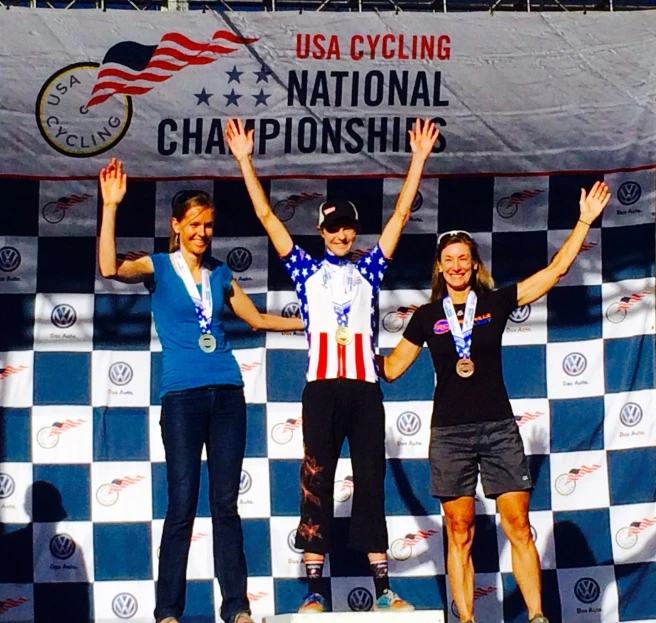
x: 418, y: 616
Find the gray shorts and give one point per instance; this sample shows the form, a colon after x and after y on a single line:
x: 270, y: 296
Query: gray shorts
x: 458, y: 452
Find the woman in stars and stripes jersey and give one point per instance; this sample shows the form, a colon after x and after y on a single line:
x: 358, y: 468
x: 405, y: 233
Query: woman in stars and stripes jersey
x: 342, y: 397
x: 473, y: 429
x: 201, y: 388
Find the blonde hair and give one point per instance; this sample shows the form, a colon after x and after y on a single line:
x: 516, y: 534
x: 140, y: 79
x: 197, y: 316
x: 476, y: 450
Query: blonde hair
x: 481, y: 280
x: 183, y: 201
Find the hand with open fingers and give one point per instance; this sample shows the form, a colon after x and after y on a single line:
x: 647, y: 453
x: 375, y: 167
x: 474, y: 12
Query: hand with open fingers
x: 593, y: 203
x: 423, y: 137
x: 239, y: 140
x: 113, y: 183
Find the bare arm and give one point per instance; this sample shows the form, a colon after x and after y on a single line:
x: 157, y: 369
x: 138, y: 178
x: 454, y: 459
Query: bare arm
x: 241, y: 304
x: 399, y: 360
x: 422, y: 141
x: 537, y: 285
x: 113, y: 185
x: 241, y: 145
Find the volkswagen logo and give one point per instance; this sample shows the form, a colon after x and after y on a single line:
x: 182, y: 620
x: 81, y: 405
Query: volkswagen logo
x: 521, y: 314
x: 631, y: 414
x: 291, y: 310
x: 587, y: 590
x: 360, y: 599
x: 240, y: 259
x: 245, y: 482
x: 575, y: 364
x: 291, y: 542
x: 408, y: 423
x: 62, y: 546
x: 63, y: 316
x: 629, y: 193
x: 417, y: 202
x: 7, y: 486
x: 10, y: 259
x: 124, y: 605
x: 120, y: 373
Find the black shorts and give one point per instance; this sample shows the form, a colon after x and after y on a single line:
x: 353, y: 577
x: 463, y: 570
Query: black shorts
x: 456, y: 452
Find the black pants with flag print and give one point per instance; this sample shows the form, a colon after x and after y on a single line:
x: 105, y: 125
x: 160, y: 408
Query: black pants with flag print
x: 333, y: 410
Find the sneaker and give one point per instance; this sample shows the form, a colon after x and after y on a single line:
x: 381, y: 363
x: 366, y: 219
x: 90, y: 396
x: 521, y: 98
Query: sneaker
x: 539, y: 618
x: 313, y: 603
x: 389, y: 600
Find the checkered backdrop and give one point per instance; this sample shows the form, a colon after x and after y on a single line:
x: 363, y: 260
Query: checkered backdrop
x: 82, y: 473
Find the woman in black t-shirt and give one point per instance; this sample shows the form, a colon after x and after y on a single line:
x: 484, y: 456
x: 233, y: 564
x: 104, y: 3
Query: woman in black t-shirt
x: 473, y: 428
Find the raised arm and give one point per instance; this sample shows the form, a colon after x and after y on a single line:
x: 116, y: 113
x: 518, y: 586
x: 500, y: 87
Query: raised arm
x: 399, y: 360
x: 113, y: 185
x: 422, y: 141
x: 241, y: 146
x: 241, y: 304
x: 537, y: 285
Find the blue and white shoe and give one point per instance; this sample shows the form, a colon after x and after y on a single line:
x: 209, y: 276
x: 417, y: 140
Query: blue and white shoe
x: 313, y: 603
x: 391, y: 602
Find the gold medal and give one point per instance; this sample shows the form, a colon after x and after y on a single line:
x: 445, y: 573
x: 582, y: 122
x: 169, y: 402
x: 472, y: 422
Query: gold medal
x: 465, y: 367
x: 343, y: 336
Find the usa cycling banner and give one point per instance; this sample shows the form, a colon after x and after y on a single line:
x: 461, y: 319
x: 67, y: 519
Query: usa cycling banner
x: 327, y: 92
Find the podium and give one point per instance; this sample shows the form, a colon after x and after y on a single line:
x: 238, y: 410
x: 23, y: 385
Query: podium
x: 417, y: 616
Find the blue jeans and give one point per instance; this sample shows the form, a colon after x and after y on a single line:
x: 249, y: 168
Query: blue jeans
x: 214, y: 416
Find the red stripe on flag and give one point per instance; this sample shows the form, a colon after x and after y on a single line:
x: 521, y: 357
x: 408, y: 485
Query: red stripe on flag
x: 322, y: 366
x: 360, y: 373
x: 341, y: 361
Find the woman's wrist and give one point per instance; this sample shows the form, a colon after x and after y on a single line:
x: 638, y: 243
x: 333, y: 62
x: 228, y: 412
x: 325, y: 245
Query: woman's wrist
x: 585, y: 222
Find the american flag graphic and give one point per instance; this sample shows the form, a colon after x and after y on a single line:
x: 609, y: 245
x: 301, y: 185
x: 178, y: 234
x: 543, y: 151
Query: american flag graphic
x: 131, y: 68
x: 578, y: 473
x: 586, y: 246
x: 293, y: 201
x: 481, y: 592
x: 63, y: 203
x: 404, y: 312
x: 61, y: 427
x: 627, y: 301
x: 9, y: 370
x: 198, y: 536
x: 518, y: 198
x: 121, y: 483
x: 256, y: 596
x: 293, y: 424
x: 637, y: 527
x: 413, y: 539
x: 10, y: 603
x: 347, y: 483
x: 526, y: 417
x: 247, y: 367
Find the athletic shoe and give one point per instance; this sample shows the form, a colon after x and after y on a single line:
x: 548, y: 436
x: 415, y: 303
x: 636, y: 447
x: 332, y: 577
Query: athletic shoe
x: 312, y: 603
x: 539, y: 618
x: 389, y: 600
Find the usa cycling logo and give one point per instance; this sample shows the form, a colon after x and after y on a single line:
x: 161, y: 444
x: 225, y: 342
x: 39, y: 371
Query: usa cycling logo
x: 239, y: 259
x: 587, y: 590
x: 575, y: 364
x: 48, y: 436
x: 566, y: 483
x: 360, y: 599
x: 343, y: 489
x: 507, y: 206
x: 10, y: 259
x: 63, y: 316
x: 120, y: 373
x: 291, y: 542
x: 125, y: 605
x: 631, y: 414
x: 7, y: 486
x: 408, y: 424
x: 402, y: 549
x: 107, y: 494
x: 62, y: 546
x: 283, y: 432
x: 521, y: 314
x: 627, y: 537
x: 245, y: 482
x: 629, y: 193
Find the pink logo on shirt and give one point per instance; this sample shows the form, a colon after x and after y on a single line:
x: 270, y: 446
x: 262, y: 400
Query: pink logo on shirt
x: 441, y: 326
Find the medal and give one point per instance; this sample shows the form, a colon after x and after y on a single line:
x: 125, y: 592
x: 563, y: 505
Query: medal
x: 343, y: 336
x: 207, y: 343
x: 465, y: 368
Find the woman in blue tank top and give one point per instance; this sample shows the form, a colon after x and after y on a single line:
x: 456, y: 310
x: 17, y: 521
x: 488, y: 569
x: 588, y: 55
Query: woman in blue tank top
x: 201, y: 388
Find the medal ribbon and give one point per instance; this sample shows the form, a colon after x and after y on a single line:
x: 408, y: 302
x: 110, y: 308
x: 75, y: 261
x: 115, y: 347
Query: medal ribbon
x: 342, y: 310
x: 202, y: 303
x: 462, y: 335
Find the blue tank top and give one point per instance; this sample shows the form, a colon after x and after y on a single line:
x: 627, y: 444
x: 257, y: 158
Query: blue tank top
x: 184, y: 364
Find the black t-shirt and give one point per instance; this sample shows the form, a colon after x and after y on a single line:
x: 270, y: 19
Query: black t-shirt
x: 482, y: 397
